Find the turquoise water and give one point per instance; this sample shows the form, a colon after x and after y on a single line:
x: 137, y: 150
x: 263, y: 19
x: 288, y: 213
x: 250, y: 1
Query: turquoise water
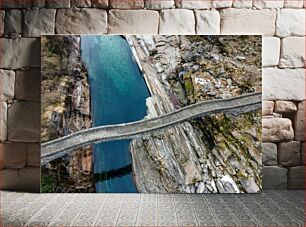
x: 118, y: 94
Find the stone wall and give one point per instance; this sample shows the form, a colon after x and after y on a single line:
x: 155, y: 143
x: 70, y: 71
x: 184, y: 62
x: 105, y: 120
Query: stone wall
x: 281, y: 22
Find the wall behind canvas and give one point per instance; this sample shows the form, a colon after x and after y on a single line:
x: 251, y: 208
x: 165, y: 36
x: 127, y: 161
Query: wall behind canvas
x: 281, y: 22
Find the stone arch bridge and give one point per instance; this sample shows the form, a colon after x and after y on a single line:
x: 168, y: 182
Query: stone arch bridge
x: 61, y: 146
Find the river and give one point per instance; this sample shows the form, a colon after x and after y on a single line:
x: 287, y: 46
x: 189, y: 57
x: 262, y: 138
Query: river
x: 118, y: 94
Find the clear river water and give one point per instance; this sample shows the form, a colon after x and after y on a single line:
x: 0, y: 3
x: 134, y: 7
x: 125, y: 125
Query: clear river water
x: 118, y: 94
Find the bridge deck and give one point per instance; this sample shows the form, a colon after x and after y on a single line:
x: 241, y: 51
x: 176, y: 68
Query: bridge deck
x: 237, y: 105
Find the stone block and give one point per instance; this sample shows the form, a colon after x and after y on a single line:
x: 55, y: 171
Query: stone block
x: 81, y: 21
x: 3, y: 121
x: 248, y: 22
x: 267, y: 107
x: 15, y: 4
x: 285, y: 107
x: 33, y: 158
x: 293, y: 52
x: 13, y: 155
x: 277, y: 129
x: 80, y: 3
x: 303, y: 157
x: 39, y: 3
x: 270, y: 51
x: 274, y: 177
x: 293, y: 3
x: 222, y: 4
x: 289, y: 153
x: 177, y: 21
x: 39, y: 21
x: 290, y: 22
x: 191, y: 4
x: 262, y: 4
x: 133, y: 22
x: 100, y: 3
x: 296, y: 177
x: 208, y: 22
x: 126, y: 4
x: 299, y: 122
x: 20, y: 53
x: 7, y: 84
x: 27, y: 86
x: 24, y: 122
x: 242, y: 4
x: 2, y: 15
x: 24, y: 180
x: 13, y: 21
x: 157, y: 5
x: 55, y: 4
x: 269, y: 154
x: 283, y: 84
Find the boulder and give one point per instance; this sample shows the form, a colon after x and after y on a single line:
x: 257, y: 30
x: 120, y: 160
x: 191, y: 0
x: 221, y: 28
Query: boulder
x: 13, y: 155
x: 156, y: 5
x: 24, y: 122
x: 208, y: 22
x: 133, y: 22
x: 247, y: 22
x: 27, y: 86
x: 33, y: 157
x: 7, y: 82
x: 289, y: 153
x: 290, y: 22
x: 25, y: 180
x: 274, y: 177
x: 285, y: 106
x: 39, y: 21
x: 270, y: 51
x: 292, y: 52
x: 126, y: 4
x: 269, y: 154
x: 299, y: 122
x: 20, y: 53
x: 277, y: 129
x: 177, y: 21
x: 13, y: 21
x: 296, y: 178
x: 267, y: 107
x: 283, y: 84
x: 81, y: 21
x: 3, y: 121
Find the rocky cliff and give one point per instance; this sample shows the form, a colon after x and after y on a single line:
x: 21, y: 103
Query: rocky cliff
x: 219, y: 153
x: 65, y: 110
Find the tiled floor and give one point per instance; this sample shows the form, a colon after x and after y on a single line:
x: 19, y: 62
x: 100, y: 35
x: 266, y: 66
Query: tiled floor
x: 271, y: 208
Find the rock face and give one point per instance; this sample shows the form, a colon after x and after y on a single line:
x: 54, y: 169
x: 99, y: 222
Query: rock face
x: 65, y: 110
x: 204, y: 155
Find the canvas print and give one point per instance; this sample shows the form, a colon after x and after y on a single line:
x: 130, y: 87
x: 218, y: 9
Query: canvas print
x: 151, y: 114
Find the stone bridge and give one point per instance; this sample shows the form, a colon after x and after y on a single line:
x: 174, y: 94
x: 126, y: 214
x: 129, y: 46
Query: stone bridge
x: 236, y: 105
